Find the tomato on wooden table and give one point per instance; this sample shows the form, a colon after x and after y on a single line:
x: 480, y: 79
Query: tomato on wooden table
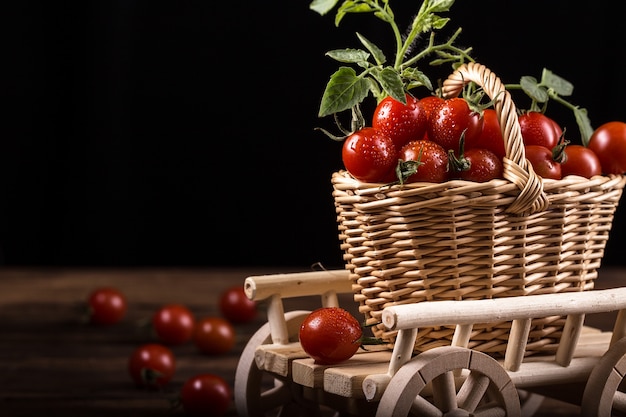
x: 330, y: 335
x: 206, y: 395
x: 581, y: 161
x: 401, y: 122
x: 608, y: 141
x: 151, y: 365
x: 173, y: 324
x: 106, y: 306
x: 214, y: 335
x: 236, y: 307
x: 370, y: 156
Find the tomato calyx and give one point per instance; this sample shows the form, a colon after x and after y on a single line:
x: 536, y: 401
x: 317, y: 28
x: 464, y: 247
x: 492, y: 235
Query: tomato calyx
x: 558, y: 152
x: 150, y: 376
x: 459, y: 163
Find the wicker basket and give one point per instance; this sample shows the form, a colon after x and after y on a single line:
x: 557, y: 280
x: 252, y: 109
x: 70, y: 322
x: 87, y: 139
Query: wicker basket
x: 463, y: 240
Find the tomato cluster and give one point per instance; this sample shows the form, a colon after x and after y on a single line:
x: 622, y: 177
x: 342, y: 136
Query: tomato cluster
x: 430, y: 139
x: 435, y: 140
x: 152, y: 365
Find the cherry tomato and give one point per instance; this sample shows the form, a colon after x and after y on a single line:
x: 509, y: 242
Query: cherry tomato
x: 431, y: 158
x: 542, y: 162
x: 450, y: 120
x: 370, y: 156
x: 330, y: 335
x: 539, y: 129
x: 581, y: 161
x: 609, y: 143
x: 106, y: 306
x: 214, y: 335
x: 151, y: 365
x: 429, y: 104
x: 173, y: 324
x: 206, y: 395
x: 236, y: 307
x: 401, y: 122
x: 490, y: 136
x: 478, y: 165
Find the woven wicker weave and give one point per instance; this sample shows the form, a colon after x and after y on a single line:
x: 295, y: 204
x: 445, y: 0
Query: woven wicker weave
x: 463, y: 240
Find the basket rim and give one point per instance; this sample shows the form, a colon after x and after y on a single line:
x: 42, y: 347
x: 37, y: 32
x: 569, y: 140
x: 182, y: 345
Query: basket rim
x: 516, y: 168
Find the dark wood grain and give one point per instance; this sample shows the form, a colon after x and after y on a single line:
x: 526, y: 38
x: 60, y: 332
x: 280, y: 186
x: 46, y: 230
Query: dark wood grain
x: 52, y: 363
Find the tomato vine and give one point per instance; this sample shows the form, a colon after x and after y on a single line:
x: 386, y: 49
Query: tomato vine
x: 347, y: 88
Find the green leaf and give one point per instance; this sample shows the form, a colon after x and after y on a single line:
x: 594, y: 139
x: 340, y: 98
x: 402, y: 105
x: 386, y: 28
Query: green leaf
x: 343, y: 91
x: 349, y: 6
x: 323, y: 6
x: 584, y: 125
x: 417, y: 78
x: 560, y: 85
x: 437, y: 6
x: 391, y: 82
x: 531, y: 87
x: 438, y: 22
x: 378, y: 54
x: 348, y: 55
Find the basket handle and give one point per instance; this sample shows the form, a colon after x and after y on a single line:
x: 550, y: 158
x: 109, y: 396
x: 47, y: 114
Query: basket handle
x: 516, y: 167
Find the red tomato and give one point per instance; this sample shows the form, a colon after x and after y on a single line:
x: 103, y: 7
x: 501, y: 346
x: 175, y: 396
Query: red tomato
x: 236, y: 306
x: 428, y: 162
x: 490, y: 136
x: 206, y: 395
x: 330, y: 335
x: 542, y: 161
x: 106, y: 306
x: 450, y: 120
x: 214, y: 335
x: 401, y: 122
x: 538, y: 129
x: 580, y: 161
x: 370, y: 156
x: 151, y: 365
x: 478, y: 165
x: 429, y: 105
x: 609, y: 143
x: 173, y: 324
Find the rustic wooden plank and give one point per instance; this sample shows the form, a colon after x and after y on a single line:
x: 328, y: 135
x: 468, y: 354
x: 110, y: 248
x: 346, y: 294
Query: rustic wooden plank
x: 52, y: 363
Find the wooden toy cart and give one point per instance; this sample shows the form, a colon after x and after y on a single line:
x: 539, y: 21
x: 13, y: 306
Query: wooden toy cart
x: 275, y: 377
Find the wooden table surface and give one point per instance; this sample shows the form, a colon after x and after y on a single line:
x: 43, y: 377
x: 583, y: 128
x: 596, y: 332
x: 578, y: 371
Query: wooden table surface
x: 52, y: 363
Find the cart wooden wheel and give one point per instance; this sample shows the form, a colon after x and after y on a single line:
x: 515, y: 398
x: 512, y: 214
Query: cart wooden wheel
x: 605, y: 391
x: 258, y: 393
x: 426, y: 386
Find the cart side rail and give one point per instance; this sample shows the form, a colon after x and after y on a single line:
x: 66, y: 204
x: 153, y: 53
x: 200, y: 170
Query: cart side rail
x: 438, y: 313
x: 406, y: 319
x: 276, y: 287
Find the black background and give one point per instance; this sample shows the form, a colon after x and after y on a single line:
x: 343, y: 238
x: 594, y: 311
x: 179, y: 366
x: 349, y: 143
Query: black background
x: 175, y: 133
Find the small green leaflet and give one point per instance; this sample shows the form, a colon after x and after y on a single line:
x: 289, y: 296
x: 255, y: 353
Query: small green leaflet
x: 560, y: 85
x: 323, y: 6
x: 531, y: 86
x: 349, y: 55
x: 391, y: 82
x: 343, y: 91
x: 378, y: 54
